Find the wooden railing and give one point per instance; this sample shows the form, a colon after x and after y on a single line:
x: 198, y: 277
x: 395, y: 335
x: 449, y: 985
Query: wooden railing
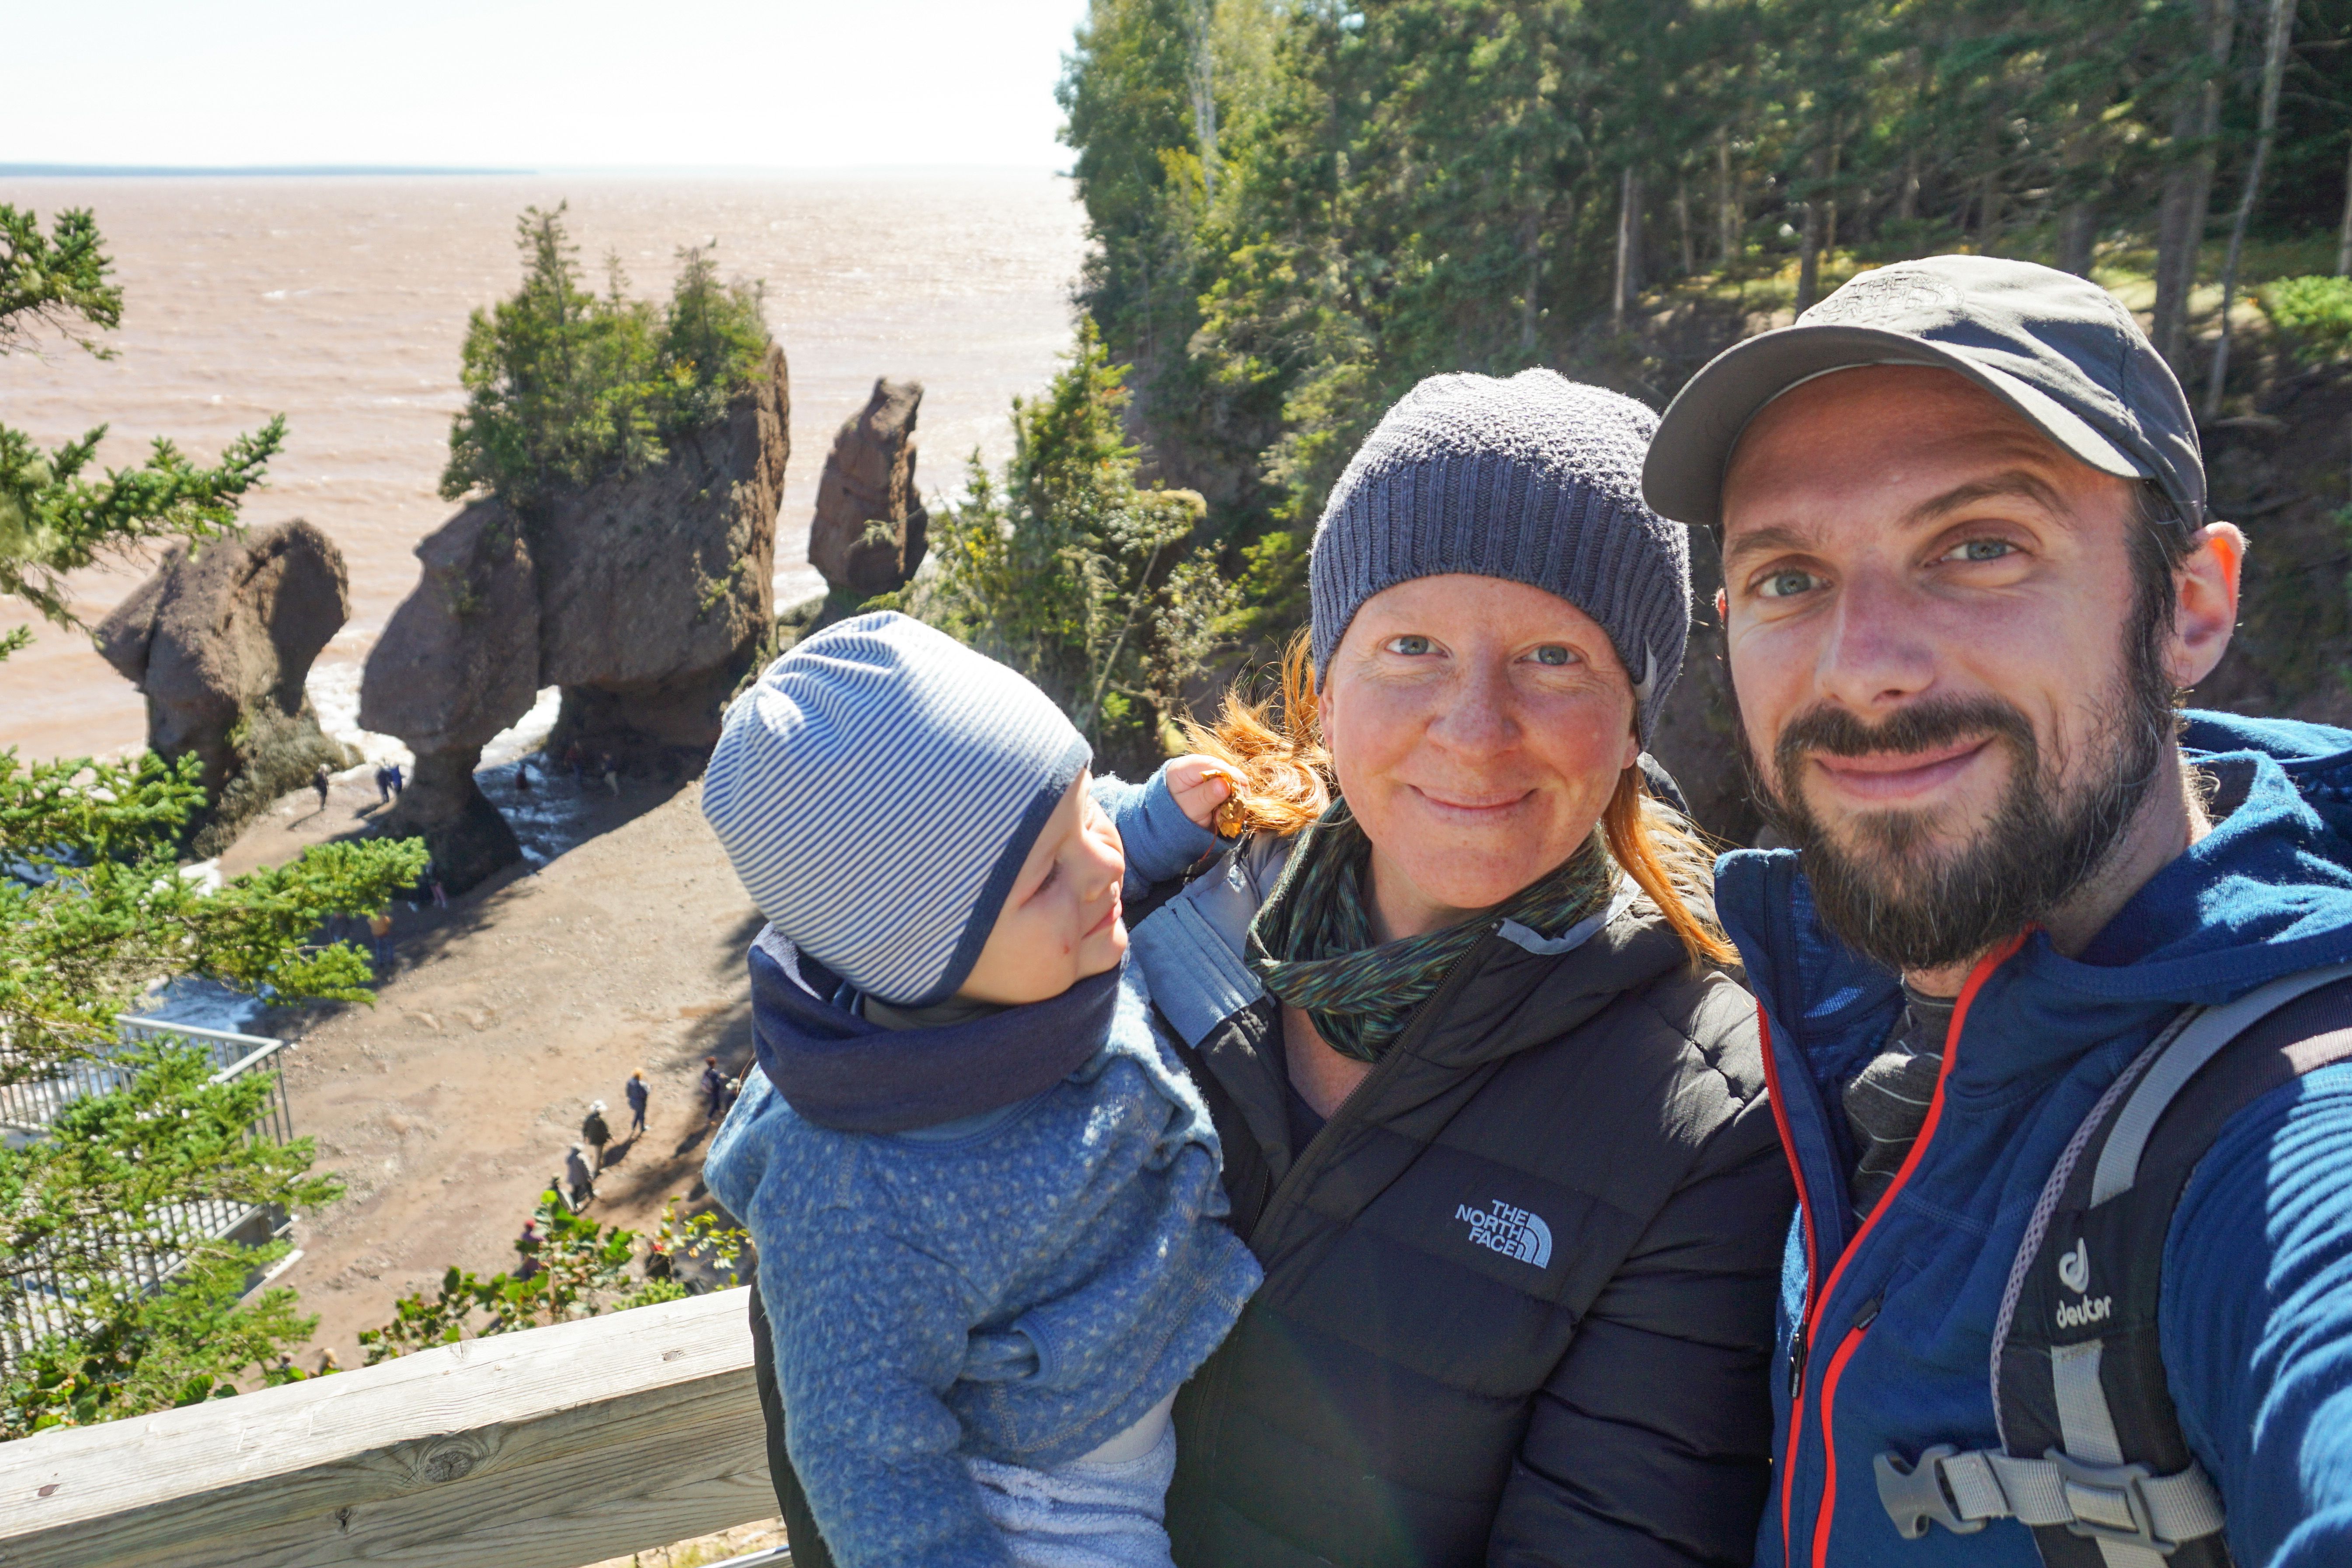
x: 546, y: 1449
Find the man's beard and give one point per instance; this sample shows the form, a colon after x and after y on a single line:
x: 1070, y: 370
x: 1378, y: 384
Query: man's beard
x: 1888, y: 893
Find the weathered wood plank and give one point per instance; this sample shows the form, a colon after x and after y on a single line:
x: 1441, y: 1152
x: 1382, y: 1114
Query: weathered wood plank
x: 543, y: 1449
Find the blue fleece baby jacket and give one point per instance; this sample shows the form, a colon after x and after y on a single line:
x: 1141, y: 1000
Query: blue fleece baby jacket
x: 1019, y: 1283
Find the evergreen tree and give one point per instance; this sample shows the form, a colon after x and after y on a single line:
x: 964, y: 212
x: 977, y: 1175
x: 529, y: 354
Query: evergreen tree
x: 94, y: 908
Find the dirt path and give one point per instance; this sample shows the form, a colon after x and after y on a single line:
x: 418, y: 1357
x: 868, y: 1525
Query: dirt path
x: 448, y: 1107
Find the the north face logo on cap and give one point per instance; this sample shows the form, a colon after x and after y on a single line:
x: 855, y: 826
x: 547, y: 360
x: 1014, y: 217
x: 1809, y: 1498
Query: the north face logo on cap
x: 1512, y: 1231
x: 1890, y: 295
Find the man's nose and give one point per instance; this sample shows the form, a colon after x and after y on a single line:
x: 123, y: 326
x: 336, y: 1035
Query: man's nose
x: 1880, y: 649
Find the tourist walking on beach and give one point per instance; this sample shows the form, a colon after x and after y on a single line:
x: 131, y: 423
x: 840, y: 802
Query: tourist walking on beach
x: 612, y: 775
x: 579, y: 1178
x: 2055, y: 974
x: 320, y: 781
x: 380, y: 933
x: 398, y: 782
x: 596, y: 1132
x: 382, y: 784
x: 634, y: 1089
x: 1495, y: 1111
x: 714, y: 1090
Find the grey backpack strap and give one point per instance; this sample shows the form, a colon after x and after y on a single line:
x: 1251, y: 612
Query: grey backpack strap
x: 2094, y: 1460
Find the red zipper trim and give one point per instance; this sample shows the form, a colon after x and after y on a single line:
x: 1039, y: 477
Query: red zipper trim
x: 1826, y: 1513
x: 1805, y: 1215
x: 1845, y: 1350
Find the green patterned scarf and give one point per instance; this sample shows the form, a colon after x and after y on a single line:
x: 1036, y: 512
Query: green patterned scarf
x: 1312, y: 945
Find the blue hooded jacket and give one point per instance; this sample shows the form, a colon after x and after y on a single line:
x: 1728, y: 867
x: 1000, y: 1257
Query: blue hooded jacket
x: 1886, y: 1327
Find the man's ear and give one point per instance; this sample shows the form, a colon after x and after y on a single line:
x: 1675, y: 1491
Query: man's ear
x: 2205, y: 603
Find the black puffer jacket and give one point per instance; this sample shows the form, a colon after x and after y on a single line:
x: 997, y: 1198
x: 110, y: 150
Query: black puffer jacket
x: 1519, y: 1292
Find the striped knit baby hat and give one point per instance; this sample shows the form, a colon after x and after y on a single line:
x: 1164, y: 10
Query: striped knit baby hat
x: 878, y: 791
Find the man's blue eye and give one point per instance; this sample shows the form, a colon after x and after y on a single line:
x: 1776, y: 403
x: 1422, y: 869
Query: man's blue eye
x: 1786, y: 584
x: 1409, y: 645
x: 1985, y: 550
x: 1553, y: 654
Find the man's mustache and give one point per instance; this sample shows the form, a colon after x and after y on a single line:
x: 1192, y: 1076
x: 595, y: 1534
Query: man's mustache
x: 1827, y: 730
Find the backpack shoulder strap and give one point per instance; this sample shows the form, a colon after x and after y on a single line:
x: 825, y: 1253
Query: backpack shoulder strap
x: 2093, y: 1457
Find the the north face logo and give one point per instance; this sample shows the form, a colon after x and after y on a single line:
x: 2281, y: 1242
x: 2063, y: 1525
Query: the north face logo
x: 1513, y: 1232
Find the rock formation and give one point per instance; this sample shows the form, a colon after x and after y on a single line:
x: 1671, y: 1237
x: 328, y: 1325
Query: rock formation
x: 220, y: 640
x: 867, y: 536
x: 645, y: 596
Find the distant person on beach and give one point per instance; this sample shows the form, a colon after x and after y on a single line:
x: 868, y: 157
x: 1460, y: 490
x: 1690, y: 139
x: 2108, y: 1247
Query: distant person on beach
x: 612, y: 775
x: 440, y: 895
x: 528, y: 1245
x: 319, y: 781
x: 380, y: 933
x: 636, y: 1091
x: 522, y: 776
x: 579, y: 1177
x: 597, y: 1132
x: 399, y: 782
x: 382, y: 785
x: 946, y: 1029
x: 714, y: 1090
x: 577, y: 761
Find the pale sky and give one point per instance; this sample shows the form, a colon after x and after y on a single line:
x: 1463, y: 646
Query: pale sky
x: 468, y: 83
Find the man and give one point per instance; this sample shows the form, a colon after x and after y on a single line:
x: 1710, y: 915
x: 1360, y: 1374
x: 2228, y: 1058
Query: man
x: 1968, y: 567
x: 714, y: 1091
x: 638, y: 1095
x: 596, y: 1132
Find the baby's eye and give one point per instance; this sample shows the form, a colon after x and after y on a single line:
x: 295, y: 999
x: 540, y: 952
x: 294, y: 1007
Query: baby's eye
x: 1052, y: 877
x: 1981, y: 550
x: 1553, y: 654
x: 1787, y: 583
x: 1410, y: 644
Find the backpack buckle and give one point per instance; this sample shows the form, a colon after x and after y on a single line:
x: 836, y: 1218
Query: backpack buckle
x: 1915, y: 1495
x: 2109, y: 1503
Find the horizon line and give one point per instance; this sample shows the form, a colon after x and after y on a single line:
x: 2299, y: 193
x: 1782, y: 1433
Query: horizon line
x: 379, y: 171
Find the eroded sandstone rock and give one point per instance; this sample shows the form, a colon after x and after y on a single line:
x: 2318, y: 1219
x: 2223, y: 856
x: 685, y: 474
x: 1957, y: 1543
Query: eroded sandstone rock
x: 220, y: 640
x: 868, y: 533
x: 645, y: 596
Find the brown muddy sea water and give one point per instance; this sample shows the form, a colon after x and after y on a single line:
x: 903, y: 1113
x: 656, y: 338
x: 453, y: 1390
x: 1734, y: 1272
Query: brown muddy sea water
x: 341, y: 302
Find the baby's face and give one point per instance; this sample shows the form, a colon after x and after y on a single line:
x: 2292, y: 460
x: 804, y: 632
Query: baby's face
x: 1060, y: 923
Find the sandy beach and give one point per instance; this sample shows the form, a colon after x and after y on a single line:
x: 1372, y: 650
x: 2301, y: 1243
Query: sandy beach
x: 447, y: 1106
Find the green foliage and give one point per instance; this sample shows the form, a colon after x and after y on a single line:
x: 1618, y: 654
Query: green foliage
x: 1074, y: 574
x: 572, y: 1267
x: 53, y: 520
x: 563, y: 385
x: 1367, y: 195
x: 93, y: 911
x: 2316, y: 313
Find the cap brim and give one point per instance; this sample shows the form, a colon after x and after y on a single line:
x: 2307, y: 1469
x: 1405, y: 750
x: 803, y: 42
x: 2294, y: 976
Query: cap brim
x: 1683, y: 477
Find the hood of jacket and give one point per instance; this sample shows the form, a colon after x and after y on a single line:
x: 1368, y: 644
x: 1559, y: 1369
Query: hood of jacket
x: 1886, y: 1327
x: 842, y: 1071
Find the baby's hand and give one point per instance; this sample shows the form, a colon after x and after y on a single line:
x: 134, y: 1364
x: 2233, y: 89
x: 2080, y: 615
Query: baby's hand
x: 1200, y: 784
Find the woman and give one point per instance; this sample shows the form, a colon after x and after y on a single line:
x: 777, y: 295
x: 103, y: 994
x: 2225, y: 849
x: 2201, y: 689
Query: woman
x: 1493, y: 1114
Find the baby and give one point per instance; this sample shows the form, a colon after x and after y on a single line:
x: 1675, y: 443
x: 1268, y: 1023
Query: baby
x: 985, y: 1195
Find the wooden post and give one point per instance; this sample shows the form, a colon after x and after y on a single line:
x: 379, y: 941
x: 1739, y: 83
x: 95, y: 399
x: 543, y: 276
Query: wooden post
x: 546, y: 1449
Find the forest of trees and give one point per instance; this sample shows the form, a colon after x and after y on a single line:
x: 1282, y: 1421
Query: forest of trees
x: 1305, y: 206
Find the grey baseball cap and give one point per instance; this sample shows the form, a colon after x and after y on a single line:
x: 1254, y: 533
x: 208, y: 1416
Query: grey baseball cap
x: 2058, y: 349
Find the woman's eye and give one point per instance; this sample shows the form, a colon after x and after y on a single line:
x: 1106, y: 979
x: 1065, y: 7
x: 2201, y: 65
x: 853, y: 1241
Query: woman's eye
x: 1787, y: 585
x: 1553, y: 654
x: 1982, y: 550
x: 1412, y: 645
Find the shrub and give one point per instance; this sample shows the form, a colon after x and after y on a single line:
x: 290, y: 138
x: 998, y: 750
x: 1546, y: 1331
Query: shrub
x: 1067, y: 569
x: 2316, y: 312
x: 563, y: 385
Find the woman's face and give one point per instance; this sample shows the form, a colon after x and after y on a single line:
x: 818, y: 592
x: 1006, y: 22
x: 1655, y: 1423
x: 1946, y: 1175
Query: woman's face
x: 1478, y: 728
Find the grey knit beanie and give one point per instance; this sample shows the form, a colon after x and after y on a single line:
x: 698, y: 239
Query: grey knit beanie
x: 878, y: 791
x: 1537, y: 480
